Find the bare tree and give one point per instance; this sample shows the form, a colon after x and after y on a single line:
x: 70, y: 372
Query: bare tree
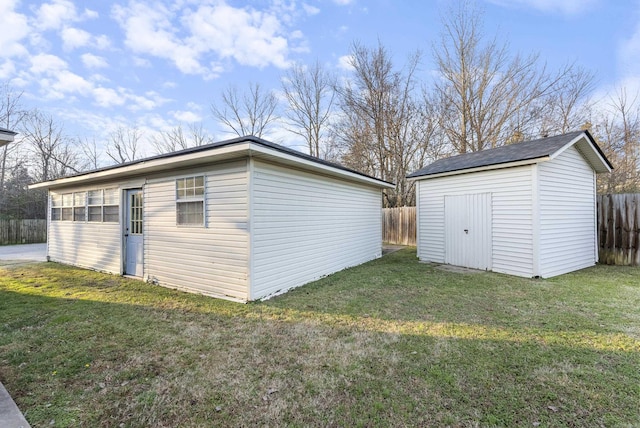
x: 310, y: 93
x: 124, y: 145
x: 11, y: 116
x: 177, y: 139
x: 248, y: 113
x: 484, y: 92
x: 91, y: 153
x: 565, y: 109
x: 53, y: 153
x: 383, y: 128
x: 618, y: 133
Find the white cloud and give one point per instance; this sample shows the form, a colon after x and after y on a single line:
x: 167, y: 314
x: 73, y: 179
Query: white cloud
x: 73, y: 38
x: 149, y: 30
x: 90, y: 14
x: 57, y: 82
x: 186, y: 116
x: 52, y: 16
x: 93, y: 61
x: 7, y: 69
x: 99, y: 124
x: 107, y: 97
x: 343, y: 2
x: 566, y: 7
x: 344, y: 63
x: 67, y: 82
x: 149, y: 101
x: 199, y: 40
x: 101, y: 42
x: 248, y: 36
x: 310, y: 10
x: 15, y: 27
x: 47, y: 64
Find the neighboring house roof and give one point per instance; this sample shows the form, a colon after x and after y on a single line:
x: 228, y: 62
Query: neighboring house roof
x: 214, y: 152
x: 6, y: 136
x: 527, y: 152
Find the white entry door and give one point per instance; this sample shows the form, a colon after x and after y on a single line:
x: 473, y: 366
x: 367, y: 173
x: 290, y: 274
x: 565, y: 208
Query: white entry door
x: 467, y: 225
x: 134, y: 249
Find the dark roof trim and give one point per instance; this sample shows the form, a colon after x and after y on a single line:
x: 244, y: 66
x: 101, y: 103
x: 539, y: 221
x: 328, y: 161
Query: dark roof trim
x: 598, y: 149
x: 221, y: 144
x: 7, y: 131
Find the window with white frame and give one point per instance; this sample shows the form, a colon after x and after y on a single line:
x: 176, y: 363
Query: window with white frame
x: 190, y: 201
x: 94, y: 201
x: 110, y: 207
x: 79, y: 206
x: 67, y: 207
x: 101, y: 205
x: 56, y: 207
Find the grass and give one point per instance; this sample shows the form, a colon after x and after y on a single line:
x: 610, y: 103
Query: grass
x: 390, y: 343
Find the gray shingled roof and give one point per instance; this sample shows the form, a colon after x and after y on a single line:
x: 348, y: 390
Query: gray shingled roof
x: 527, y: 150
x: 7, y: 131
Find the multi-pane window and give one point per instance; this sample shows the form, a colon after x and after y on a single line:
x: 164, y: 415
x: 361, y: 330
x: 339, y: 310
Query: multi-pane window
x: 79, y: 206
x: 190, y: 201
x: 67, y: 206
x: 110, y: 210
x: 56, y: 207
x: 135, y: 213
x: 94, y: 206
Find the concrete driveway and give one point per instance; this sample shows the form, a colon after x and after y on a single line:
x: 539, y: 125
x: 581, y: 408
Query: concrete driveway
x: 24, y: 253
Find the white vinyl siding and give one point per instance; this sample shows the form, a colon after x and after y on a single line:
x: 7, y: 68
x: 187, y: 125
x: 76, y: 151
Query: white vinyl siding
x: 567, y: 214
x: 265, y: 226
x: 211, y: 260
x: 511, y: 198
x: 90, y: 245
x: 306, y: 226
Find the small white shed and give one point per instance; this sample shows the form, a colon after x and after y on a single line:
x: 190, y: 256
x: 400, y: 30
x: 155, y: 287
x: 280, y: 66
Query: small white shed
x: 526, y: 209
x: 241, y: 219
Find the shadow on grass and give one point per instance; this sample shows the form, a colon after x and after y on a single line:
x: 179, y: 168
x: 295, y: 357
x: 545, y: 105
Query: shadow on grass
x: 597, y: 302
x: 82, y: 348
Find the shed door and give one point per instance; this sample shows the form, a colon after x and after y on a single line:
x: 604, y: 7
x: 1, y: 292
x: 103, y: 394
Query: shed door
x: 134, y: 250
x: 467, y: 224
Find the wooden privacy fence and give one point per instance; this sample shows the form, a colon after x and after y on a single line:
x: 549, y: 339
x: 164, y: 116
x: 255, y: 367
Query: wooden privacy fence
x: 399, y: 225
x: 619, y: 229
x: 23, y: 231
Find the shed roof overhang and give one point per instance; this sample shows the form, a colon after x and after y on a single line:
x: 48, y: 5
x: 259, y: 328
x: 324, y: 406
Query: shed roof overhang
x: 233, y: 149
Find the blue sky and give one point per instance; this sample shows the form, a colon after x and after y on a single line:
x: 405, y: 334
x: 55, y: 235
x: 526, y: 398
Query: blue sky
x: 97, y: 65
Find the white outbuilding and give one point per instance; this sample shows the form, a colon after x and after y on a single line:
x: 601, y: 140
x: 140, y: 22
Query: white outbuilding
x: 242, y: 219
x: 526, y: 209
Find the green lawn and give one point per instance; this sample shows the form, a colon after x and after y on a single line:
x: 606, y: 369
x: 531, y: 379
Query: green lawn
x: 390, y: 343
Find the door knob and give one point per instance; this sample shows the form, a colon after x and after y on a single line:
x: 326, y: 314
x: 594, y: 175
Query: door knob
x: 466, y: 231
